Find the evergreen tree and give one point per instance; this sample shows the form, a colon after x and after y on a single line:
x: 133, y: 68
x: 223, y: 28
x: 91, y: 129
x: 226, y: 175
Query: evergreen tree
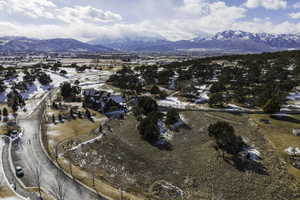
x: 172, y: 116
x: 225, y: 137
x: 53, y: 119
x: 216, y: 100
x: 87, y: 113
x: 273, y: 105
x: 5, y: 112
x: 60, y: 118
x: 66, y: 90
x: 149, y: 129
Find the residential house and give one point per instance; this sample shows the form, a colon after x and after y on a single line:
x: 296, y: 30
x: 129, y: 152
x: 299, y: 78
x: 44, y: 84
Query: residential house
x: 105, y: 102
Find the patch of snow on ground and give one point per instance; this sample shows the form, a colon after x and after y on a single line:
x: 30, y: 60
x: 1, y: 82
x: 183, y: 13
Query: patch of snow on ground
x: 172, y: 102
x: 165, y: 134
x: 235, y: 107
x: 293, y: 151
x: 252, y: 153
x: 10, y: 198
x: 294, y: 102
x: 202, y: 96
x: 87, y: 142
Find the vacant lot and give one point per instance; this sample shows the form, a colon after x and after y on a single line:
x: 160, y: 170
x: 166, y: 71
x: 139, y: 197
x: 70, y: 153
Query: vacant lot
x: 72, y: 129
x: 193, y: 169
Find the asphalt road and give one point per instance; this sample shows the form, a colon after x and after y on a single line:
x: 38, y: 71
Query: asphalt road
x: 29, y: 155
x: 7, y: 172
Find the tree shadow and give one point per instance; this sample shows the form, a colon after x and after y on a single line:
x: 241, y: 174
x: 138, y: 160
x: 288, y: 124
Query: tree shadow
x: 179, y: 126
x: 244, y: 164
x: 286, y: 118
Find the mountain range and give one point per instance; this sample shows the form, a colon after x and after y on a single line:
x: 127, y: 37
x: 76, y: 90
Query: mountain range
x: 227, y: 41
x: 239, y: 41
x: 23, y: 44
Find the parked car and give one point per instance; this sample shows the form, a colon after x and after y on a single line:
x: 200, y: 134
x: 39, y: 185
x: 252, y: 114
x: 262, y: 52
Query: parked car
x: 19, y: 172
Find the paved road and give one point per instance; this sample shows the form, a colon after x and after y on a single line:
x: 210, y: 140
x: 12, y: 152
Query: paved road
x: 30, y: 155
x: 9, y: 173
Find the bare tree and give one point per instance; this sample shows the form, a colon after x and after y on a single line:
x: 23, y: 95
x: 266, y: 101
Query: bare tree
x: 56, y: 153
x: 94, y: 175
x: 57, y: 190
x: 1, y: 182
x: 37, y: 178
x: 71, y: 169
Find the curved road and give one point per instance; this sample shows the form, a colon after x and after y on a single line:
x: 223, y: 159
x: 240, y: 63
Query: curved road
x: 30, y: 155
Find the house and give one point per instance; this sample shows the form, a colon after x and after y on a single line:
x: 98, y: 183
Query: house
x: 105, y: 102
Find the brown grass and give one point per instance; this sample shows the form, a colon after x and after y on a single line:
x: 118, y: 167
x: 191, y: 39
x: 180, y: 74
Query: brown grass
x: 193, y: 165
x: 279, y: 134
x: 100, y: 186
x: 6, y: 192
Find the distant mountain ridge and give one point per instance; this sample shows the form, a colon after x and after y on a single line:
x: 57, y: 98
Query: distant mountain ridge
x: 23, y: 44
x: 227, y: 40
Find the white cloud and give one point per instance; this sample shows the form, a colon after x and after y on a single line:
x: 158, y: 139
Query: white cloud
x: 47, y: 9
x: 268, y: 4
x: 86, y: 13
x: 296, y: 5
x: 194, y: 7
x: 295, y: 15
x: 265, y: 25
x: 184, y: 20
x: 31, y: 8
x: 217, y: 16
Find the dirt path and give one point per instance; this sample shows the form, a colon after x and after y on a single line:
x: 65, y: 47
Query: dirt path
x: 223, y: 119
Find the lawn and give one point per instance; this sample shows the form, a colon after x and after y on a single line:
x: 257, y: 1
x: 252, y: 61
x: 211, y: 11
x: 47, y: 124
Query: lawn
x: 71, y: 129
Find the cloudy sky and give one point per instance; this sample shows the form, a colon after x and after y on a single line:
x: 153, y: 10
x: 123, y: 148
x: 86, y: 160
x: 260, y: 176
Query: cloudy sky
x: 172, y: 19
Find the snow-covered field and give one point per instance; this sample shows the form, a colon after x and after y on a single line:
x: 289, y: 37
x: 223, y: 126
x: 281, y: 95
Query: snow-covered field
x: 36, y: 90
x: 88, y: 79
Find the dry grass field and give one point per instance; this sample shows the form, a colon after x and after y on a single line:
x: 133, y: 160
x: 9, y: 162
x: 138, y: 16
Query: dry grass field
x: 193, y: 168
x: 279, y: 135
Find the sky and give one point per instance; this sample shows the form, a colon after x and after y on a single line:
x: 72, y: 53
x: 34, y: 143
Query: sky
x: 87, y: 20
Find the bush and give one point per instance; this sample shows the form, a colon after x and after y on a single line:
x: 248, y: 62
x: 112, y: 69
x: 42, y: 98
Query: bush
x: 147, y: 105
x: 149, y: 129
x: 172, y: 116
x: 216, y: 100
x: 272, y: 105
x: 225, y: 137
x: 155, y: 90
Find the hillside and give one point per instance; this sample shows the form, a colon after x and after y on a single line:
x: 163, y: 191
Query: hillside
x: 22, y: 44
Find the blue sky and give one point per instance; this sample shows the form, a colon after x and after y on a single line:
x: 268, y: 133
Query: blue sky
x: 172, y: 19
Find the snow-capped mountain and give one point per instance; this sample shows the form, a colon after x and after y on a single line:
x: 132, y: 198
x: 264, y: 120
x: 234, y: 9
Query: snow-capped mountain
x: 23, y: 44
x: 272, y: 40
x: 239, y: 41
